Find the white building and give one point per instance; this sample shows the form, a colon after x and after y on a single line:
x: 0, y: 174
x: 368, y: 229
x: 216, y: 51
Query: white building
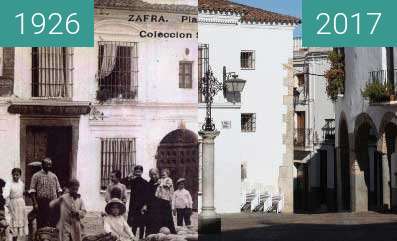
x: 131, y: 99
x: 314, y: 126
x: 366, y: 133
x: 256, y: 44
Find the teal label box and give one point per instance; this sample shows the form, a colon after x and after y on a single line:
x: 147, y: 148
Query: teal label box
x: 353, y: 23
x: 39, y: 23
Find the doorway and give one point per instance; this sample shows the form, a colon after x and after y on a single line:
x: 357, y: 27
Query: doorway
x: 54, y: 142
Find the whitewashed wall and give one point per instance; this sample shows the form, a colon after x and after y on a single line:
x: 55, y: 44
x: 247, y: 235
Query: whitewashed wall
x: 263, y: 95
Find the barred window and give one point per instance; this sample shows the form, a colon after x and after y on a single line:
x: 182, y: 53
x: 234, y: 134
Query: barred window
x: 52, y: 72
x: 247, y: 59
x: 117, y: 70
x: 117, y: 154
x: 203, y: 66
x: 185, y: 74
x: 248, y: 122
x: 7, y: 56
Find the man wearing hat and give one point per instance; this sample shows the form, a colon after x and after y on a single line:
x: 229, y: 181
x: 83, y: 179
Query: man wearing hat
x: 114, y: 222
x: 182, y: 203
x: 139, y: 192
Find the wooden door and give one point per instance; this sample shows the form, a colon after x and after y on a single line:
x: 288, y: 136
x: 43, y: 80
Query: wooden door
x: 178, y: 152
x: 52, y: 142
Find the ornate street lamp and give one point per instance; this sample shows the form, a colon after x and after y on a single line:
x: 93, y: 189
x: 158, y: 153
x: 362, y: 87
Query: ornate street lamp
x: 210, y: 222
x: 210, y: 87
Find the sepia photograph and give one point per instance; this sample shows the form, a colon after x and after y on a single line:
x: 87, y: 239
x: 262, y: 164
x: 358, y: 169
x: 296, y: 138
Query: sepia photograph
x: 100, y: 143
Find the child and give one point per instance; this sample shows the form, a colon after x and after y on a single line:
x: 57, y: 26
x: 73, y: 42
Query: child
x: 4, y: 230
x: 165, y: 189
x: 16, y: 206
x: 182, y: 203
x: 72, y: 211
x: 164, y: 192
x: 114, y: 222
x: 115, y: 178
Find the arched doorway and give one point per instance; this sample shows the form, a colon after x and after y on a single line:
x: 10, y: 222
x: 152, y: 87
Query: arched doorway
x: 178, y: 151
x: 368, y: 179
x: 344, y: 164
x: 386, y: 147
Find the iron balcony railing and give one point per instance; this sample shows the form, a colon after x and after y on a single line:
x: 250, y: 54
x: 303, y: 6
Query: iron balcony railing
x: 303, y: 137
x: 329, y: 130
x: 386, y: 77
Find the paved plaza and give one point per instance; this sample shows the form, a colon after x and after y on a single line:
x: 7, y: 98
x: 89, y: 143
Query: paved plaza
x: 308, y: 227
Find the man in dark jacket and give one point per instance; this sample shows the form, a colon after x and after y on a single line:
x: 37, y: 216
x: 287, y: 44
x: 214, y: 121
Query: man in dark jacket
x: 137, y: 210
x: 153, y: 204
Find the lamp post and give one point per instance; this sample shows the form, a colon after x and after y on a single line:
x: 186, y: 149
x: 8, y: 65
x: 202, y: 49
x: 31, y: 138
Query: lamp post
x: 210, y: 222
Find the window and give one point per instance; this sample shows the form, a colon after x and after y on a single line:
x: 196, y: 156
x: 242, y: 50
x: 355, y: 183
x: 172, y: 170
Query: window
x: 6, y: 71
x: 248, y: 122
x: 52, y: 72
x: 301, y: 79
x: 116, y: 154
x: 117, y: 70
x: 203, y: 66
x: 185, y: 74
x: 247, y: 59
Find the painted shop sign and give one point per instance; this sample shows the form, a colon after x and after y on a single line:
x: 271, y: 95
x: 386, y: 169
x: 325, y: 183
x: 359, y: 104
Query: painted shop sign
x: 159, y: 19
x: 173, y: 21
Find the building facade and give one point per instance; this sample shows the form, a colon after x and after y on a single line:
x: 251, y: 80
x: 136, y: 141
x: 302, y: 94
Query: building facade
x: 366, y: 132
x: 314, y: 126
x: 251, y: 152
x: 131, y: 99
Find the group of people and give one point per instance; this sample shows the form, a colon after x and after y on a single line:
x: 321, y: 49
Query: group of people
x: 152, y: 205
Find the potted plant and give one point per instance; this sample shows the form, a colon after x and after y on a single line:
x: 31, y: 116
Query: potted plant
x: 335, y: 76
x: 377, y: 92
x: 102, y: 95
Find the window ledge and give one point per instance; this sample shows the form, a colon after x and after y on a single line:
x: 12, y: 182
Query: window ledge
x: 52, y: 98
x: 247, y: 68
x: 111, y: 102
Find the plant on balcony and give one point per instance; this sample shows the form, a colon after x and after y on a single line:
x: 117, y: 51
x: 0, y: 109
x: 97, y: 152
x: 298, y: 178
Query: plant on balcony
x: 377, y: 92
x: 102, y: 95
x: 335, y: 76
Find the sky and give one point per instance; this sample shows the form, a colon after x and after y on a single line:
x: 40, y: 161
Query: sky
x: 289, y: 7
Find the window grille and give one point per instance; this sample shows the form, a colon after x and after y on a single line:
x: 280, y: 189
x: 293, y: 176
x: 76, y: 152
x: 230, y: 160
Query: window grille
x: 52, y: 72
x: 7, y: 56
x: 185, y: 74
x: 248, y: 122
x: 117, y: 70
x: 203, y: 66
x: 117, y: 154
x: 247, y: 59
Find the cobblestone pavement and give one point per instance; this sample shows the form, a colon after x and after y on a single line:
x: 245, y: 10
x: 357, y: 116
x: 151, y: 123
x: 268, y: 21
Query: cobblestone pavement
x: 307, y: 227
x: 93, y: 223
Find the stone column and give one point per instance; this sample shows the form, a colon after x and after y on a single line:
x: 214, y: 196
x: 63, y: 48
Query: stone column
x: 210, y: 222
x: 339, y: 179
x: 386, y: 181
x: 359, y: 191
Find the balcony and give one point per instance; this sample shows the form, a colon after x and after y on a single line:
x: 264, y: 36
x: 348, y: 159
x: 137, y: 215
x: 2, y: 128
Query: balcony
x: 381, y: 87
x: 300, y: 96
x: 303, y: 138
x: 329, y: 131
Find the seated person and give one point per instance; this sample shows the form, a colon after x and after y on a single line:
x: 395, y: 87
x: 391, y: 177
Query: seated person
x: 115, y: 223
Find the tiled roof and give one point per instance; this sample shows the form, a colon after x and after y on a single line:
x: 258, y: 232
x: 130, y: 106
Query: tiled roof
x: 139, y: 5
x: 249, y: 14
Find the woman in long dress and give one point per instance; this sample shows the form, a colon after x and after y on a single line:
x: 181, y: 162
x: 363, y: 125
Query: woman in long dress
x: 16, y: 206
